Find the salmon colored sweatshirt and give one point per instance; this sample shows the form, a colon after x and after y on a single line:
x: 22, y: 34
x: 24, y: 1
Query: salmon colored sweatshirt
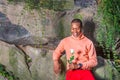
x: 84, y: 51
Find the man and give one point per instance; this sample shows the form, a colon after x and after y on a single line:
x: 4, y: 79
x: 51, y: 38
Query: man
x: 80, y: 54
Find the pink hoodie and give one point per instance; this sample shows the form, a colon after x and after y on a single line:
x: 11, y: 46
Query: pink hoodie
x: 84, y: 51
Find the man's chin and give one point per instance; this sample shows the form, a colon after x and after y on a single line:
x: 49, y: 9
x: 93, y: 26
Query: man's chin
x: 75, y: 36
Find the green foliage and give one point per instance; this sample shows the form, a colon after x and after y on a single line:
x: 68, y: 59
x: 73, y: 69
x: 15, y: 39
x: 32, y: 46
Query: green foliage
x: 62, y: 77
x: 12, y: 59
x: 71, y: 59
x: 109, y: 27
x: 14, y: 1
x: 6, y: 74
x: 117, y: 61
x: 61, y: 31
x: 28, y: 59
x: 57, y: 5
x: 72, y: 56
x: 32, y: 4
x: 79, y: 16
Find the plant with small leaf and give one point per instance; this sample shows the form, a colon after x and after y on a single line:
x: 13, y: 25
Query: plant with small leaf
x: 72, y: 56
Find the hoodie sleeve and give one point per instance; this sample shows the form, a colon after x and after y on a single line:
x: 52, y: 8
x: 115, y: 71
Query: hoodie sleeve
x: 92, y: 62
x: 58, y: 51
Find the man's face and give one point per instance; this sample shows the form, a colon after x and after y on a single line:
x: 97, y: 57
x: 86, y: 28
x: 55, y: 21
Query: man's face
x: 75, y: 29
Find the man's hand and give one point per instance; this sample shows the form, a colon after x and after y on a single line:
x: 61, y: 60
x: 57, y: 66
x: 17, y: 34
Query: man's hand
x: 57, y: 68
x: 73, y: 66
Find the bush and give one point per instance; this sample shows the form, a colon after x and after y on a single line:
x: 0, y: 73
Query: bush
x: 109, y: 27
x: 6, y: 74
x: 57, y: 5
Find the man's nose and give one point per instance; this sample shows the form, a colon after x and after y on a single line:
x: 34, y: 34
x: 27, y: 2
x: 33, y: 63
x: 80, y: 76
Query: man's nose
x: 75, y: 30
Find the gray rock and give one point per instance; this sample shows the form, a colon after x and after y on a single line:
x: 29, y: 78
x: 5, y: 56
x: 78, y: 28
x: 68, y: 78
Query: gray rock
x: 10, y: 32
x: 105, y: 70
x: 16, y: 34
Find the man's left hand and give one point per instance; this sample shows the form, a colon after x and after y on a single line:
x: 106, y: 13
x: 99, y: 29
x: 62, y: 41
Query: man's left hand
x: 73, y: 66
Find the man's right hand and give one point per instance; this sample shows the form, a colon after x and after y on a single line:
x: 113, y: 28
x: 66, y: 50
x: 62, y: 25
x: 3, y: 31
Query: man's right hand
x: 57, y: 68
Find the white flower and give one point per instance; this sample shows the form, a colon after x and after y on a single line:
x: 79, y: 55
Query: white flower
x: 71, y: 51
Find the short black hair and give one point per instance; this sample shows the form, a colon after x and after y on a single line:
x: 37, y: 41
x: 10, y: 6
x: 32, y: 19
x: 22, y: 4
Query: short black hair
x: 77, y: 21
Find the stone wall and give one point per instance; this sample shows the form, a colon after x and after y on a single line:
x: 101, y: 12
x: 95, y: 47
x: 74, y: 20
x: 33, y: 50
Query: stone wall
x: 29, y: 56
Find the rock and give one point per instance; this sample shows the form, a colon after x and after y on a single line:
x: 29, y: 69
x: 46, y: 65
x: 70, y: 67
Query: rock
x: 33, y: 38
x: 18, y: 35
x: 10, y: 32
x: 105, y: 70
x: 84, y: 3
x: 14, y: 60
x: 40, y: 68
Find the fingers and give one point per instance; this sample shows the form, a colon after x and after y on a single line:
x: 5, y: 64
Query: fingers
x: 73, y: 66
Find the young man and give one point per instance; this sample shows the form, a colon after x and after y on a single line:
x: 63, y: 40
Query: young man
x: 80, y: 51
